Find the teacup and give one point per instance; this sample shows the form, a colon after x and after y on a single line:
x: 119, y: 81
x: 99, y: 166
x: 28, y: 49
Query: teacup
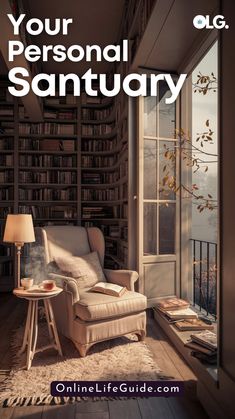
x: 48, y: 284
x: 27, y: 283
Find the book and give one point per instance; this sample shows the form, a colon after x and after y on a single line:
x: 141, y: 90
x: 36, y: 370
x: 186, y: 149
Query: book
x: 193, y: 324
x: 199, y: 348
x: 109, y: 288
x: 206, y: 338
x: 172, y: 304
x: 181, y: 314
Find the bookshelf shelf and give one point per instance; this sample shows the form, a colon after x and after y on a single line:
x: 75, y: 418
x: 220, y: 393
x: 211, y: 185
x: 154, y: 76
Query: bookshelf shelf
x: 60, y: 136
x: 68, y: 153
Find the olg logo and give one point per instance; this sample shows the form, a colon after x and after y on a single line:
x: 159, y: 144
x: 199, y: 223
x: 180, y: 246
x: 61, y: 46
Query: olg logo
x: 201, y: 22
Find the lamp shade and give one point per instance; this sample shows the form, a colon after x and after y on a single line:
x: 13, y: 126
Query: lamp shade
x: 19, y: 229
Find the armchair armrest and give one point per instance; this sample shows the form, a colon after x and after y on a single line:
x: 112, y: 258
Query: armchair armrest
x: 69, y: 285
x: 123, y: 277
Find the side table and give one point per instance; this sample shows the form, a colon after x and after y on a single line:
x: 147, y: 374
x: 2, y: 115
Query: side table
x: 33, y: 295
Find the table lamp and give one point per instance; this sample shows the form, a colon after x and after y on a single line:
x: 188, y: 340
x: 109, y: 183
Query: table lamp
x: 19, y: 230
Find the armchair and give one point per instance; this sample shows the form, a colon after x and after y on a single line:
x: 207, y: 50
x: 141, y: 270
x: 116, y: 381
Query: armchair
x: 88, y: 317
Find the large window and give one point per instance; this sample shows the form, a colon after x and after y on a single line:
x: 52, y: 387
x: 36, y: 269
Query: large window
x: 159, y: 200
x: 204, y: 201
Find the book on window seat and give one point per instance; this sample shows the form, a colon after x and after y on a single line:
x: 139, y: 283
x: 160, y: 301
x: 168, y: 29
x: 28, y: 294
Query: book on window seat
x: 172, y: 304
x: 109, y: 288
x: 176, y: 315
x: 199, y: 348
x: 193, y: 324
x: 206, y: 338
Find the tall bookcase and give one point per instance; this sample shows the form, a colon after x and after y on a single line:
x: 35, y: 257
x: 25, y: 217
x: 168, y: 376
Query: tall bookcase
x: 69, y: 168
x: 8, y: 139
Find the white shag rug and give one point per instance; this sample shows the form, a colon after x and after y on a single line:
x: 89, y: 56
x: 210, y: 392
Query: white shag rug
x: 119, y: 359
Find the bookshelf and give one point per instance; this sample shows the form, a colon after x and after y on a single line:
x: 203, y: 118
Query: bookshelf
x: 103, y: 192
x: 7, y: 177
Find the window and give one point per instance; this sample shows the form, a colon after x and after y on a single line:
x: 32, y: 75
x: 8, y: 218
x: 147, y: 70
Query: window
x: 159, y: 201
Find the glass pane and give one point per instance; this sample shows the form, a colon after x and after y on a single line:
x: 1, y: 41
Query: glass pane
x: 150, y: 229
x: 166, y: 229
x: 166, y: 113
x: 166, y: 169
x: 150, y: 116
x: 150, y: 169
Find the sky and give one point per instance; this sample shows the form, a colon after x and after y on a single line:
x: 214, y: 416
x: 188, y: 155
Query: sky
x: 205, y: 107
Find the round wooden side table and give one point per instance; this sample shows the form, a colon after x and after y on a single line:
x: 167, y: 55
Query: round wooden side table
x: 33, y: 295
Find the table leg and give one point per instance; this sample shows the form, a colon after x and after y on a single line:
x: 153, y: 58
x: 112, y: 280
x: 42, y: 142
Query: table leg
x: 48, y: 321
x: 35, y: 337
x: 52, y: 325
x: 26, y: 331
x: 30, y: 336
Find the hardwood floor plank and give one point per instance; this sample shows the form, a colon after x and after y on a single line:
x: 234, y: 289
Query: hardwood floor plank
x: 58, y: 412
x: 183, y: 408
x: 124, y: 409
x: 93, y: 415
x: 6, y: 413
x: 92, y: 406
x: 153, y: 340
x: 155, y: 407
x: 34, y: 412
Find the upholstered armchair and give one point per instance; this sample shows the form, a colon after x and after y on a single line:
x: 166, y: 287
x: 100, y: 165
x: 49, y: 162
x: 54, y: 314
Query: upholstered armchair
x: 88, y: 317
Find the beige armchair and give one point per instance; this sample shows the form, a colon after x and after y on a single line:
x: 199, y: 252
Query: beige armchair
x: 88, y: 317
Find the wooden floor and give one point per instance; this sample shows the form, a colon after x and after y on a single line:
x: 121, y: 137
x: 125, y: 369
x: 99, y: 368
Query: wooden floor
x: 12, y: 313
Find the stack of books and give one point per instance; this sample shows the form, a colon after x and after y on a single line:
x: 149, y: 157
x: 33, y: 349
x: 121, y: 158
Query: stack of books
x: 204, y: 346
x: 175, y: 309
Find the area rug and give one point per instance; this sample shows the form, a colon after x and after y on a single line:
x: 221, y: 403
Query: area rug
x: 119, y: 359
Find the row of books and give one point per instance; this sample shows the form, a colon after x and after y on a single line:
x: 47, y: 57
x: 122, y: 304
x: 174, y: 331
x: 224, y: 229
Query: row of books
x: 203, y: 346
x: 69, y: 99
x: 100, y: 178
x: 5, y: 250
x: 6, y: 160
x: 67, y: 114
x: 96, y: 114
x: 99, y: 145
x: 123, y: 191
x: 124, y: 233
x: 4, y: 211
x: 46, y: 128
x: 103, y: 211
x: 94, y: 100
x: 100, y: 129
x: 122, y: 253
x: 7, y: 127
x: 99, y: 161
x: 6, y: 176
x: 6, y: 268
x: 47, y: 160
x: 100, y: 195
x: 7, y: 194
x: 44, y: 144
x: 54, y: 176
x: 6, y: 112
x: 47, y: 194
x: 124, y: 211
x: 111, y: 230
x: 47, y: 212
x: 5, y: 96
x: 123, y: 168
x: 6, y: 144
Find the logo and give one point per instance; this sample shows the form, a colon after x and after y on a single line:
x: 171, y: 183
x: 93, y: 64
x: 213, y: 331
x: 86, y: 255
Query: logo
x: 201, y: 22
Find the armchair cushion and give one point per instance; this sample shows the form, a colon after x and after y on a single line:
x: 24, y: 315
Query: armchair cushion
x: 123, y: 277
x: 93, y: 306
x: 86, y: 270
